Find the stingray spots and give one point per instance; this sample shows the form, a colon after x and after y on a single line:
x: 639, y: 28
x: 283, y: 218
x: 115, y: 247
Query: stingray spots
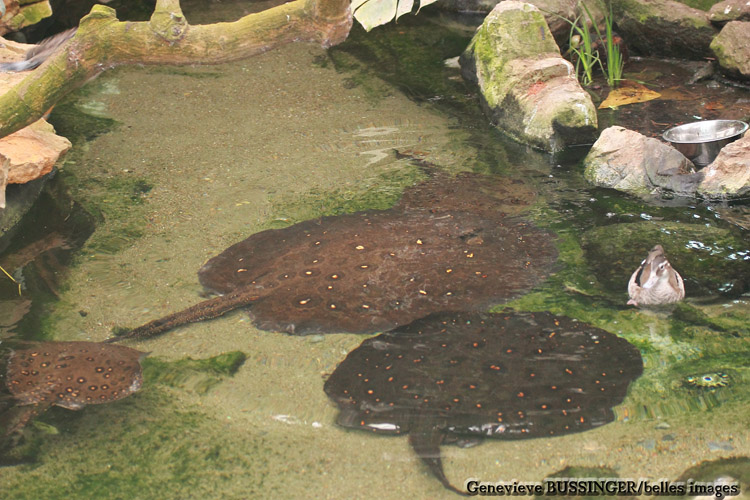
x: 304, y: 302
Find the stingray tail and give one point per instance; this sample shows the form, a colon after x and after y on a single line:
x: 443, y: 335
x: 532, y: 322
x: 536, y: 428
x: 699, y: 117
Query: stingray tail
x: 426, y: 444
x: 208, y: 309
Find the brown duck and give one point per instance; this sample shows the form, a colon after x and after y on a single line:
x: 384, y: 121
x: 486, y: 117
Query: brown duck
x: 655, y: 282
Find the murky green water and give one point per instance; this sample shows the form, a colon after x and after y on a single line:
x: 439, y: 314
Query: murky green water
x: 176, y: 164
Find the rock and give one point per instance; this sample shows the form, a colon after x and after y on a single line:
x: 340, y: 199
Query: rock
x: 711, y: 260
x: 732, y: 49
x: 730, y: 10
x: 6, y: 18
x: 527, y: 89
x: 729, y: 174
x: 664, y: 28
x: 31, y: 153
x: 625, y: 160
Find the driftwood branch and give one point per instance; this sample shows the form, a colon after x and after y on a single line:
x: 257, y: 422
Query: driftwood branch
x: 103, y: 42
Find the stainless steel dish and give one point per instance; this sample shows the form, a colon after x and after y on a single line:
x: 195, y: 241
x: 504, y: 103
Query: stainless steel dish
x: 701, y: 141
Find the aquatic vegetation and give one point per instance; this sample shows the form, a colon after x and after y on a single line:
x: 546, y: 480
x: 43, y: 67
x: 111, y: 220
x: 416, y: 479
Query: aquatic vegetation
x: 470, y: 376
x: 615, y: 61
x: 199, y: 375
x: 581, y: 45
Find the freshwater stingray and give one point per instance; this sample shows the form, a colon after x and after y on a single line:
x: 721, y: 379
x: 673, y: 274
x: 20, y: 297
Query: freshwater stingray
x: 465, y: 376
x: 67, y: 374
x: 447, y: 245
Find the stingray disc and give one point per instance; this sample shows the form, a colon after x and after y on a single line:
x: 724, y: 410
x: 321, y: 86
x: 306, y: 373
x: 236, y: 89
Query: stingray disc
x: 73, y: 374
x: 372, y: 271
x: 508, y: 376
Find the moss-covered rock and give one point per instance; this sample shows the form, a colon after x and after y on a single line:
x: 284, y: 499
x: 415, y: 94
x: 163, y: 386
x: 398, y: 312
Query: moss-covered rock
x: 732, y: 49
x: 712, y: 261
x: 528, y: 90
x: 664, y: 28
x: 729, y: 10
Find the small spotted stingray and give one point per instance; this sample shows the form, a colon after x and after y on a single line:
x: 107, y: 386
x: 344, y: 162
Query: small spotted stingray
x: 449, y: 244
x: 464, y: 376
x: 69, y: 374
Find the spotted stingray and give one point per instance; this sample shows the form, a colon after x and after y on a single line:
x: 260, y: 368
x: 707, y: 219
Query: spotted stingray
x: 466, y: 376
x: 67, y: 374
x: 447, y: 245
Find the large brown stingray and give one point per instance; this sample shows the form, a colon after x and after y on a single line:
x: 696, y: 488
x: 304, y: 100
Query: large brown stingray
x: 447, y: 245
x: 67, y: 374
x: 463, y: 376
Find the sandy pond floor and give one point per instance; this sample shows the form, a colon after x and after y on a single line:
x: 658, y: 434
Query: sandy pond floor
x: 229, y: 151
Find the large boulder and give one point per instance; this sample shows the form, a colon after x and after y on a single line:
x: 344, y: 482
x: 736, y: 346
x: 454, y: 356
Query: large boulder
x: 664, y: 28
x: 527, y: 89
x: 729, y: 174
x: 732, y: 49
x: 730, y: 10
x: 625, y: 160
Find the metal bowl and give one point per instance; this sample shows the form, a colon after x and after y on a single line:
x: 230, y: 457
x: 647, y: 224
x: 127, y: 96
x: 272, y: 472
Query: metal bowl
x: 701, y: 142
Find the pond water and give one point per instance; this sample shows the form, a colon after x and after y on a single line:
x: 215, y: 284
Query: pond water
x: 176, y: 164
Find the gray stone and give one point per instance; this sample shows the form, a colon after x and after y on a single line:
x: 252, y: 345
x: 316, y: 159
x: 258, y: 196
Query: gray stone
x: 528, y: 90
x: 730, y: 10
x: 664, y: 28
x: 732, y: 49
x: 625, y: 160
x: 729, y: 174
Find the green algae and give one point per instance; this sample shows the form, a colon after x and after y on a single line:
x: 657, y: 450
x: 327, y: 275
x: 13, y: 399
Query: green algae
x: 379, y: 193
x: 198, y: 375
x: 135, y: 445
x: 134, y: 449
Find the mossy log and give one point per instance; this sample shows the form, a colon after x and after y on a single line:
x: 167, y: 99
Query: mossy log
x: 103, y: 42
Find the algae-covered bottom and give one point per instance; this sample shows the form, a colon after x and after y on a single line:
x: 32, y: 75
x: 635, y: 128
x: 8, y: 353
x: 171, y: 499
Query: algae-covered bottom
x: 201, y: 158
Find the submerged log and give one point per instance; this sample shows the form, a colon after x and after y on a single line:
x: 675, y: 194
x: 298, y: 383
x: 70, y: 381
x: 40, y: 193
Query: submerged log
x: 103, y: 42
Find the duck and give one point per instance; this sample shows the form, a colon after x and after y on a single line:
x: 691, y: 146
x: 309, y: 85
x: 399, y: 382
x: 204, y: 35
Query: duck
x: 655, y: 282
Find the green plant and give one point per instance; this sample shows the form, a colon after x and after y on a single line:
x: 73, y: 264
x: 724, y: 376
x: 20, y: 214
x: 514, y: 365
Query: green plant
x: 615, y: 63
x: 581, y: 45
